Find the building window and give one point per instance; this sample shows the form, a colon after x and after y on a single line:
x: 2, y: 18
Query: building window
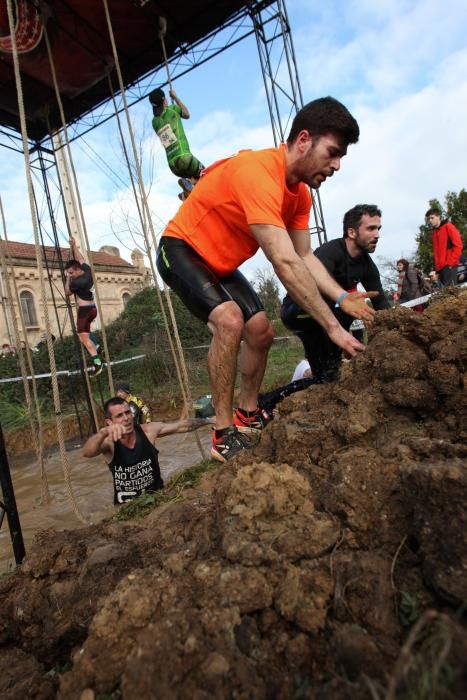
x: 28, y: 309
x: 125, y: 298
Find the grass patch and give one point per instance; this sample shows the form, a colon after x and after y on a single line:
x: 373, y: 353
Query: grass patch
x: 139, y: 507
x: 409, y: 608
x: 426, y: 669
x: 283, y: 357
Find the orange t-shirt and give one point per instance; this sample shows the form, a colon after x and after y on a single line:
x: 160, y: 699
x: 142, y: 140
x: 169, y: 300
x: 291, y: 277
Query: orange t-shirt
x: 248, y: 188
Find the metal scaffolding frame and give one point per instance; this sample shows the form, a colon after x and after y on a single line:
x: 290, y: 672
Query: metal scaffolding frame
x: 268, y: 21
x: 281, y: 80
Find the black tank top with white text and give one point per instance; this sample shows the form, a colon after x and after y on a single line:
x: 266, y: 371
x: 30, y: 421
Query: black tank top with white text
x: 135, y: 470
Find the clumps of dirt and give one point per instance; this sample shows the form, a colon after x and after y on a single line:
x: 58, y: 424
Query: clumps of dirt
x: 328, y: 562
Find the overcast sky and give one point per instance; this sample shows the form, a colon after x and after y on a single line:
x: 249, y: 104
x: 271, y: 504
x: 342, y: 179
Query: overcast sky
x: 400, y: 66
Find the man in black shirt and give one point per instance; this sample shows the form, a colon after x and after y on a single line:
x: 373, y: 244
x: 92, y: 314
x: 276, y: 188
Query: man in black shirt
x: 130, y: 450
x: 348, y: 261
x: 80, y: 283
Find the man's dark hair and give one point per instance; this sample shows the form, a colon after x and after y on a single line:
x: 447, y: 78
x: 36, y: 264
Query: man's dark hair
x: 324, y: 116
x: 114, y: 401
x: 156, y: 98
x: 433, y: 210
x: 353, y: 217
x: 72, y: 263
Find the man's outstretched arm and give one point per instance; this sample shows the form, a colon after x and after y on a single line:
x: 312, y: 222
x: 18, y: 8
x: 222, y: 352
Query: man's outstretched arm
x: 102, y: 442
x: 353, y: 304
x: 300, y: 283
x: 75, y: 251
x: 183, y: 425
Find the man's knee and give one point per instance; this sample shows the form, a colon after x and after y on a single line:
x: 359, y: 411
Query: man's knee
x: 259, y: 331
x: 83, y: 336
x: 226, y: 320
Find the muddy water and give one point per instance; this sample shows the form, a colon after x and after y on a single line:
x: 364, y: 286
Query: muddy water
x: 92, y: 488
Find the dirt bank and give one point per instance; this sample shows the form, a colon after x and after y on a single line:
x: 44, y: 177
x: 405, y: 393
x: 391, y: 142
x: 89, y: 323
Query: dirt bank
x: 19, y: 442
x: 328, y: 563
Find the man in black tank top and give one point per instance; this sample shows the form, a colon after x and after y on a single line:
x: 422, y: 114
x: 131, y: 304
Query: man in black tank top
x: 130, y: 450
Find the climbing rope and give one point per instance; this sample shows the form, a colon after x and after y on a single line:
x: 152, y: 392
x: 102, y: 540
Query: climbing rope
x: 149, y: 218
x: 80, y: 206
x: 34, y: 410
x: 50, y: 349
x: 162, y: 33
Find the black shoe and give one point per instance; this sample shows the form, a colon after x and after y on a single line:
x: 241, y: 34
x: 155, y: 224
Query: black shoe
x: 228, y: 445
x: 256, y: 422
x: 185, y: 184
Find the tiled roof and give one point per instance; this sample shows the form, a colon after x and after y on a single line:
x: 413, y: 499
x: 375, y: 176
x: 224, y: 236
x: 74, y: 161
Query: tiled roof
x: 28, y: 250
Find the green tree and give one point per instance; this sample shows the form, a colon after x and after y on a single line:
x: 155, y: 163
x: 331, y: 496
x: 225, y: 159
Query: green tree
x: 142, y: 320
x: 268, y: 291
x: 424, y: 252
x: 455, y: 209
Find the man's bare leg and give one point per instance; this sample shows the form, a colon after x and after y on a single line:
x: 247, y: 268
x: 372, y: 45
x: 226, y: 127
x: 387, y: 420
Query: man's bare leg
x: 88, y: 344
x: 258, y: 335
x: 226, y: 325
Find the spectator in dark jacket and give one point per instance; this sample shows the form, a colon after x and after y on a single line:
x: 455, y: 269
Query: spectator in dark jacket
x: 408, y: 285
x: 447, y: 246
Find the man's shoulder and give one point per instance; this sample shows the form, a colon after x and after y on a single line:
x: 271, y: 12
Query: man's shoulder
x: 264, y: 156
x: 446, y: 225
x: 452, y: 227
x: 255, y: 169
x: 336, y: 247
x: 172, y: 111
x: 151, y: 429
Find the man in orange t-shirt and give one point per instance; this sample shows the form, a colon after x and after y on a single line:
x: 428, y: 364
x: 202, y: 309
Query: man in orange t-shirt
x: 257, y: 199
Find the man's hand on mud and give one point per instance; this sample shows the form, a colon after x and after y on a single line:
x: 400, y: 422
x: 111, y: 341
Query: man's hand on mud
x: 354, y: 305
x: 346, y: 341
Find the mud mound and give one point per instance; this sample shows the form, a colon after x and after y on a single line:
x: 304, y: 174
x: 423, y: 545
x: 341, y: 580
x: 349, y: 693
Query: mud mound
x: 328, y: 562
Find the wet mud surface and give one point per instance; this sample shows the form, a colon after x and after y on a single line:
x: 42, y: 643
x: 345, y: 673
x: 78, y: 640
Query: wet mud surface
x: 91, y: 483
x: 327, y: 563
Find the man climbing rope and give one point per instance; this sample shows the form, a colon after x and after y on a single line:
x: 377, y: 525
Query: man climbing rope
x: 167, y: 123
x: 251, y: 200
x: 130, y: 450
x: 79, y: 282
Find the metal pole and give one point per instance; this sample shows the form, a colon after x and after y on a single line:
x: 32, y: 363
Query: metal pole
x: 282, y: 87
x: 9, y: 505
x: 4, y: 302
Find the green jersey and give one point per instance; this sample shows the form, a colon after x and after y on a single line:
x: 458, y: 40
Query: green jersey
x: 169, y: 129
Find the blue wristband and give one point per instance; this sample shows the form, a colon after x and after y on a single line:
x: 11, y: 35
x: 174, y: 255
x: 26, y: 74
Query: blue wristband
x: 342, y: 296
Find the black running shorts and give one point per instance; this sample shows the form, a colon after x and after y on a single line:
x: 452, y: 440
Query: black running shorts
x: 200, y: 289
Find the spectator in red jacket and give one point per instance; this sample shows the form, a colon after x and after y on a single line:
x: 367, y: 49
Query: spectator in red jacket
x: 447, y: 246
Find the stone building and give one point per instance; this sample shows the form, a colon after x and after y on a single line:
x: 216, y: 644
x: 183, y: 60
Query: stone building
x: 117, y: 281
